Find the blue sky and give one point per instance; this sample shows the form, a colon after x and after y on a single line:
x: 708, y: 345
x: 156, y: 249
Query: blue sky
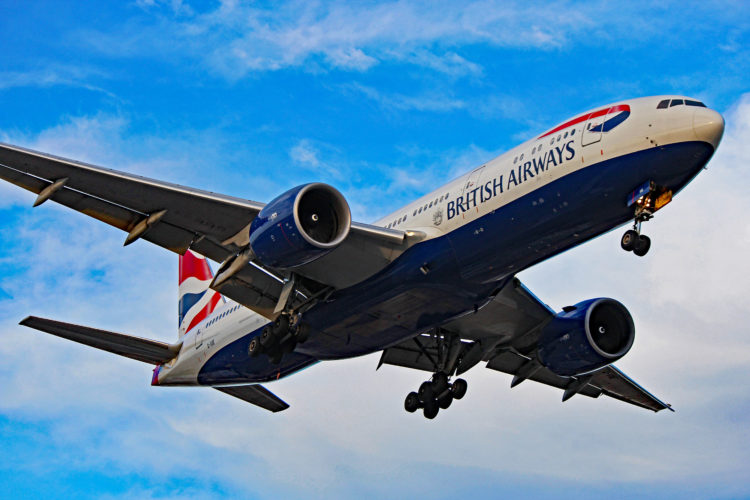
x: 385, y: 101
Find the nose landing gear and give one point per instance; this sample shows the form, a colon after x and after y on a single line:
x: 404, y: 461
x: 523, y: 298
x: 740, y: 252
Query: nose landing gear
x: 634, y: 241
x: 647, y: 199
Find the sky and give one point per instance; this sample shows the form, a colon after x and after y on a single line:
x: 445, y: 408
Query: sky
x: 385, y: 101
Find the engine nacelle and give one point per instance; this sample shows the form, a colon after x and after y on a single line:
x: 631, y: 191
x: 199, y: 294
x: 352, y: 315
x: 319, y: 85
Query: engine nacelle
x: 300, y: 226
x: 594, y: 334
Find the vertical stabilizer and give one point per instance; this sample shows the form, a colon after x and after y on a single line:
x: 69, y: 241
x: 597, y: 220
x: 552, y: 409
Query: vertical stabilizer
x: 196, y: 300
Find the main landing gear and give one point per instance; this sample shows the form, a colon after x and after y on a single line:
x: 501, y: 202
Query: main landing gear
x: 279, y: 338
x: 448, y: 356
x: 435, y: 394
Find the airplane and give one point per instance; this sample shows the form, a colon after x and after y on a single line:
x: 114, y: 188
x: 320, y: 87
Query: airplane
x: 432, y: 286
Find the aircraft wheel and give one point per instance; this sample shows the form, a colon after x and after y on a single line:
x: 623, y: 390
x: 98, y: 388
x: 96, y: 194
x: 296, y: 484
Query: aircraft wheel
x: 628, y: 240
x: 254, y: 348
x: 303, y: 329
x: 411, y: 404
x: 458, y: 388
x: 446, y: 401
x: 282, y: 324
x: 267, y: 336
x: 431, y: 409
x: 642, y: 246
x: 426, y: 392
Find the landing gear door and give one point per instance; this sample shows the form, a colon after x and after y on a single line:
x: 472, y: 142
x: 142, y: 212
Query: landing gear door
x: 592, y: 131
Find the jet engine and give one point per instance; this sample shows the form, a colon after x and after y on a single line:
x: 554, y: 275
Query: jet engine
x: 586, y: 337
x: 300, y: 226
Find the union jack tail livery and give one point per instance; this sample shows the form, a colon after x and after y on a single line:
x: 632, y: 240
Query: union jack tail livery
x: 197, y: 301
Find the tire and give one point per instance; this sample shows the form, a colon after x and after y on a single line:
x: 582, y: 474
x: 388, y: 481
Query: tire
x: 268, y: 337
x: 431, y: 409
x: 411, y: 403
x: 302, y: 332
x: 426, y: 392
x: 642, y: 246
x: 255, y: 347
x: 282, y: 324
x: 458, y: 388
x: 445, y: 401
x: 628, y: 240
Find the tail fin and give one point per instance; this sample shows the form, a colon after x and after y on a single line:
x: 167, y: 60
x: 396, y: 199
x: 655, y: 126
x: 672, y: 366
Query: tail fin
x: 197, y: 301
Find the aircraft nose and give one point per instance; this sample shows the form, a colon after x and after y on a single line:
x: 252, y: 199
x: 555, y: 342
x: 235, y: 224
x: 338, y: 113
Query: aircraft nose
x: 708, y: 126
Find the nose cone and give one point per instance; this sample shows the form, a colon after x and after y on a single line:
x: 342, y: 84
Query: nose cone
x: 708, y: 126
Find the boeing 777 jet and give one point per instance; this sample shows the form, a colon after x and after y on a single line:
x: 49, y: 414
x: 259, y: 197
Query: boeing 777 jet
x: 432, y: 286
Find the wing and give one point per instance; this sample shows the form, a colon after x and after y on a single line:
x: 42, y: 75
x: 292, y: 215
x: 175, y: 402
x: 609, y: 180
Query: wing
x: 148, y: 351
x: 179, y: 218
x: 257, y: 395
x: 504, y: 333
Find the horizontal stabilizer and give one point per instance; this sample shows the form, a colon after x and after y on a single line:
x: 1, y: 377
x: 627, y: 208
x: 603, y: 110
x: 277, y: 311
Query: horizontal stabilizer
x: 148, y: 351
x: 257, y: 395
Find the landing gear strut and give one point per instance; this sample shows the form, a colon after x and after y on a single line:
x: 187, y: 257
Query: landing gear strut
x: 435, y: 394
x: 279, y: 338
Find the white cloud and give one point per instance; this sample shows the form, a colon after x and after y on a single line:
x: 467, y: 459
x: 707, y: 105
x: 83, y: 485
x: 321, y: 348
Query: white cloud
x: 305, y: 153
x: 237, y: 39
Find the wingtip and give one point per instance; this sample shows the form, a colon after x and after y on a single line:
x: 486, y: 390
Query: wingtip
x: 25, y: 321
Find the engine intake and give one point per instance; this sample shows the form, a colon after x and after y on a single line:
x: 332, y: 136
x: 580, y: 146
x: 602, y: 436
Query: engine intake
x: 300, y: 226
x: 591, y: 335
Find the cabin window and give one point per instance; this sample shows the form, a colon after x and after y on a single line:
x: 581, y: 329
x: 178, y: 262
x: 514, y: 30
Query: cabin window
x: 515, y: 159
x: 551, y: 141
x: 694, y: 103
x: 533, y: 150
x: 521, y: 157
x: 663, y: 104
x: 676, y: 102
x: 420, y: 210
x: 559, y: 136
x: 565, y: 135
x: 415, y: 213
x: 572, y: 132
x: 405, y: 217
x: 446, y: 195
x: 430, y: 206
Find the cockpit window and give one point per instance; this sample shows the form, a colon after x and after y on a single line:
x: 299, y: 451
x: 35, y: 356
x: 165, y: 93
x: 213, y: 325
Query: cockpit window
x: 695, y: 103
x: 663, y: 104
x: 676, y: 102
